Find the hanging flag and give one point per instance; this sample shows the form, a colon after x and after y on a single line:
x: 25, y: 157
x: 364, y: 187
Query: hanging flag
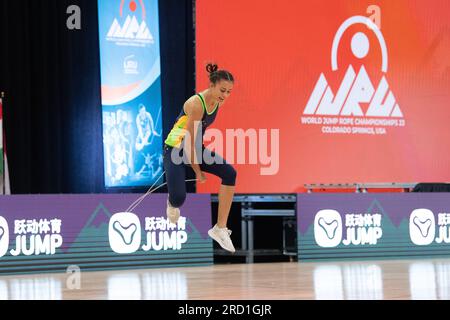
x: 4, y: 174
x: 2, y: 171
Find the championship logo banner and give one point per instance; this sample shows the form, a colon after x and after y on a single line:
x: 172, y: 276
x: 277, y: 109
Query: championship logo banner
x: 131, y: 92
x: 356, y: 91
x: 342, y: 113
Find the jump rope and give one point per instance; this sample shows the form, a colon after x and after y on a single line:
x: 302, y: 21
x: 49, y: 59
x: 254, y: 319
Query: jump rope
x: 150, y: 191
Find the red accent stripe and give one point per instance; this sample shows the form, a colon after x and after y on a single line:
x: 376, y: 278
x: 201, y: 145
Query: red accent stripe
x: 121, y: 7
x: 144, y: 12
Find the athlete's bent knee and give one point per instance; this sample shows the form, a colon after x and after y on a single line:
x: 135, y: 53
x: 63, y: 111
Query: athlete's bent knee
x: 177, y: 200
x: 229, y: 178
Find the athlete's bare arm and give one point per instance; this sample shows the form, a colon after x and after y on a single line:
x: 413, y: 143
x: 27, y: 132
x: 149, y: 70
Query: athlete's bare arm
x: 194, y: 111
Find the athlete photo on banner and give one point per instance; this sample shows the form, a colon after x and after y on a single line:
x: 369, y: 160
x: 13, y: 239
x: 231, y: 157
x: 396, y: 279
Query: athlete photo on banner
x: 131, y: 92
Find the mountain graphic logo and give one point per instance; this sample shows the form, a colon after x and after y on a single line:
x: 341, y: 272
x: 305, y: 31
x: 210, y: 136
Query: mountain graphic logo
x: 422, y: 227
x: 328, y: 228
x: 4, y: 236
x: 124, y: 232
x: 356, y: 87
x: 130, y: 30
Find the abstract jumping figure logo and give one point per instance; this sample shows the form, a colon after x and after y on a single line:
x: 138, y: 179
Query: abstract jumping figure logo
x: 328, y: 228
x: 354, y: 89
x: 422, y: 227
x: 4, y: 236
x: 124, y: 232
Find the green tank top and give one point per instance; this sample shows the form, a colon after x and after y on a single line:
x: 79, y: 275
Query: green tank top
x: 178, y: 132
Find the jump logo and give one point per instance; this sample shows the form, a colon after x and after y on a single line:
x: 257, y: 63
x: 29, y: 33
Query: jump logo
x: 361, y: 229
x: 125, y: 233
x: 422, y: 227
x: 32, y: 237
x: 328, y: 228
x: 4, y: 236
x: 342, y: 113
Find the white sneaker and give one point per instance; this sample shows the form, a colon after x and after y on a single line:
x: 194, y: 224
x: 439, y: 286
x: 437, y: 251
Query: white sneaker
x: 222, y: 236
x: 173, y: 214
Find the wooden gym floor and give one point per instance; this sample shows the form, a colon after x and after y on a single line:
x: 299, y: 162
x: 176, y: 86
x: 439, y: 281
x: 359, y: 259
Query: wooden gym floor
x: 368, y: 280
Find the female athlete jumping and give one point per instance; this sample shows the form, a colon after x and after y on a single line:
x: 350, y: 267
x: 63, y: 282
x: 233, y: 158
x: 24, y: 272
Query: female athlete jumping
x: 200, y: 110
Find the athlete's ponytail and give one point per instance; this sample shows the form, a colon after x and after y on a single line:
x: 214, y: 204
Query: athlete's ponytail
x: 216, y: 75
